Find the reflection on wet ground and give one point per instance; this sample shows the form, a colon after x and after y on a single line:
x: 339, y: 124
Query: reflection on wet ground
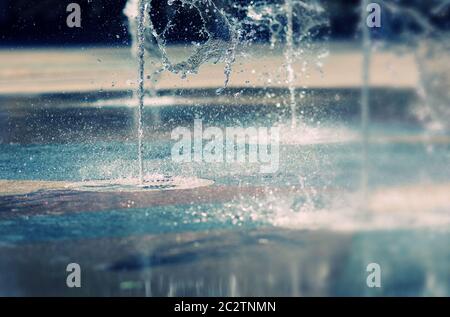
x: 263, y: 262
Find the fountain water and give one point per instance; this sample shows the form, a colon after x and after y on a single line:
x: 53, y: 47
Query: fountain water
x: 289, y: 53
x: 303, y: 21
x: 300, y: 24
x: 220, y: 46
x: 141, y: 89
x: 246, y: 225
x: 289, y: 14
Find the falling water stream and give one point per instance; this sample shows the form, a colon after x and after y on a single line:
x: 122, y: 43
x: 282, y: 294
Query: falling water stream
x: 141, y: 88
x: 220, y: 47
x: 289, y: 55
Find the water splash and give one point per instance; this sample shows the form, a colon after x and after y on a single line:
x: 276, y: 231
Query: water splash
x: 300, y: 24
x: 220, y: 46
x: 408, y: 207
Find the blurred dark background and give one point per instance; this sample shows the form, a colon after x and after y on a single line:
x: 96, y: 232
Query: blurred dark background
x: 43, y: 22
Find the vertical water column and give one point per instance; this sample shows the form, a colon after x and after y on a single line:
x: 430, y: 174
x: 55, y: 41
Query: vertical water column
x: 365, y: 103
x: 140, y: 87
x: 289, y: 56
